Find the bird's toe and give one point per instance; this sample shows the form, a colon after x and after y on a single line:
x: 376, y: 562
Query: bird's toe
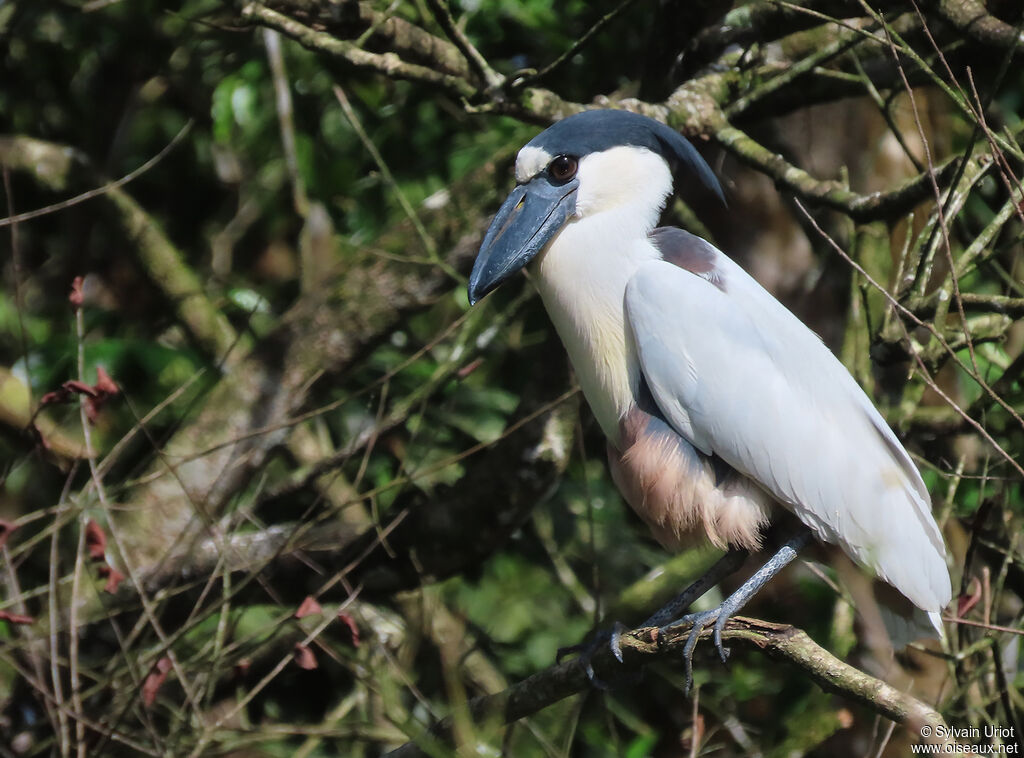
x: 585, y: 651
x: 698, y: 622
x: 615, y: 639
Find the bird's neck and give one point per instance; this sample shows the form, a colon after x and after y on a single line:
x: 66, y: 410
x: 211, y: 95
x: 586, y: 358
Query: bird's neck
x: 582, y: 276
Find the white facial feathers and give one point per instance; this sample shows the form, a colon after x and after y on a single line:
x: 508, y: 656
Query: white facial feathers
x: 624, y: 176
x: 530, y: 162
x: 611, y: 179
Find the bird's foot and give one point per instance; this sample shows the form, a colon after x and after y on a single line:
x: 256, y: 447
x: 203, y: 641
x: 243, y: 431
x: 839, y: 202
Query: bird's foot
x: 585, y: 651
x: 698, y: 622
x: 732, y: 604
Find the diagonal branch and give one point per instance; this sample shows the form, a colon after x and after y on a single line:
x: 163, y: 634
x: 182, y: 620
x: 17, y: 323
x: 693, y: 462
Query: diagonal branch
x: 970, y: 17
x: 578, y: 45
x: 443, y: 14
x: 877, y: 205
x: 388, y: 64
x: 774, y: 640
x: 380, y: 29
x: 56, y: 167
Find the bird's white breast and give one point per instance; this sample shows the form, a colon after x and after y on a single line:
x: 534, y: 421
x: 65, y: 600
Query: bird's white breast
x: 582, y: 280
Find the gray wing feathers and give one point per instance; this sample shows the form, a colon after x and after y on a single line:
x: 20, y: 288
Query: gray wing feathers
x: 738, y: 375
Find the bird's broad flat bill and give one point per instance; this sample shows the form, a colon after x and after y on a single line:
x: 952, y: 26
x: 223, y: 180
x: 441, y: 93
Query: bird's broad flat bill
x: 526, y: 221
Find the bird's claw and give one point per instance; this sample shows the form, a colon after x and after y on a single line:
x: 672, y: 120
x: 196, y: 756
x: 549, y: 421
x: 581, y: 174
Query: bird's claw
x: 723, y: 652
x: 698, y: 623
x: 585, y: 651
x: 615, y: 639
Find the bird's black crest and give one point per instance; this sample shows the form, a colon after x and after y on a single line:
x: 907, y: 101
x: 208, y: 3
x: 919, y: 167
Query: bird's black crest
x: 597, y: 130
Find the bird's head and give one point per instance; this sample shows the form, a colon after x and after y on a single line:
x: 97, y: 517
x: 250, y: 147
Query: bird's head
x: 589, y: 163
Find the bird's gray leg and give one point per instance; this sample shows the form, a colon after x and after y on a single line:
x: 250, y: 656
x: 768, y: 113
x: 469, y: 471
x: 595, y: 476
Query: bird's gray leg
x: 728, y: 564
x: 723, y: 567
x: 735, y: 601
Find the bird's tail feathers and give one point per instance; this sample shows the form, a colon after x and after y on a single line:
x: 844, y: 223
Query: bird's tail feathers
x: 905, y: 622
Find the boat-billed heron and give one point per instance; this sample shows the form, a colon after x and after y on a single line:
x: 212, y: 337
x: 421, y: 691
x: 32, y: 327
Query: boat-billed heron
x: 720, y: 407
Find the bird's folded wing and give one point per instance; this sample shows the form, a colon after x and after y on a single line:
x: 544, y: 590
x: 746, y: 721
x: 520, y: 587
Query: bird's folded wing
x: 738, y: 375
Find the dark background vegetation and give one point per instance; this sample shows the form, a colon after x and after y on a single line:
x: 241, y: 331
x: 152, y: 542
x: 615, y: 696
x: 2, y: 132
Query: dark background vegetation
x: 321, y: 505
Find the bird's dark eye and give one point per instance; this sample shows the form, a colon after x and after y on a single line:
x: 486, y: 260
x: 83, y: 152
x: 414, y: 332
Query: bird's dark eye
x: 563, y: 168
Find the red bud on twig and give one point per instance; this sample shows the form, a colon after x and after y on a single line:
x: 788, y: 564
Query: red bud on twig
x: 304, y: 657
x: 155, y: 680
x: 95, y: 541
x: 76, y: 298
x: 113, y: 577
x: 7, y: 528
x: 308, y: 607
x: 352, y: 628
x: 16, y: 618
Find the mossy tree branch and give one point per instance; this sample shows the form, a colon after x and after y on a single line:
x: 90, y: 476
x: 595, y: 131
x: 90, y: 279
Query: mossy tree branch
x: 389, y: 64
x: 971, y: 17
x: 698, y: 108
x: 377, y: 30
x: 639, y: 649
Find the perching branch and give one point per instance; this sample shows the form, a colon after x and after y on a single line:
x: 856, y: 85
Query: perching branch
x: 777, y: 641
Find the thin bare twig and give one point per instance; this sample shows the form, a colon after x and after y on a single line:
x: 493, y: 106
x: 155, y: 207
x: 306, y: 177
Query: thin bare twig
x: 443, y: 15
x: 116, y: 184
x: 285, y: 119
x: 931, y: 328
x: 428, y: 244
x: 600, y: 25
